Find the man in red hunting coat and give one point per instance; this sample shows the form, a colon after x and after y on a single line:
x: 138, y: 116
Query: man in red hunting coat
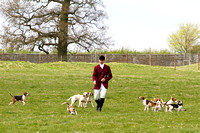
x: 101, y: 75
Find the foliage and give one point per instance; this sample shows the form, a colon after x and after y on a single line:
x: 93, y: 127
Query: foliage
x: 51, y: 84
x: 128, y: 51
x: 195, y: 49
x: 185, y: 38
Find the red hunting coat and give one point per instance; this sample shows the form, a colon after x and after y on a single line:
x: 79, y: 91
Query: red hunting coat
x: 100, y: 73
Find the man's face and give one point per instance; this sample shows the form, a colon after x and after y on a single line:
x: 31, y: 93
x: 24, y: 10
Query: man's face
x: 101, y: 61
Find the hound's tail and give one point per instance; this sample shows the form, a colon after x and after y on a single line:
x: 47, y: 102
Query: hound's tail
x: 69, y: 98
x: 65, y: 103
x: 11, y: 94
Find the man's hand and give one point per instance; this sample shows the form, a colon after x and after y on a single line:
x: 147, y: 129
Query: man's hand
x: 94, y: 82
x: 103, y: 80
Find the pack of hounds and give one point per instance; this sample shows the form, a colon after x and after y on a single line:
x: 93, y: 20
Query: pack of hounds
x: 83, y: 99
x: 157, y: 104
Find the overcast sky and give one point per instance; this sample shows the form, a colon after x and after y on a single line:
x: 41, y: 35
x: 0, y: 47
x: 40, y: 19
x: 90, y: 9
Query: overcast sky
x: 144, y: 24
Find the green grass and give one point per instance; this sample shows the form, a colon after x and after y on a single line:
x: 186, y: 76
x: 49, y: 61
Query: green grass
x: 51, y: 84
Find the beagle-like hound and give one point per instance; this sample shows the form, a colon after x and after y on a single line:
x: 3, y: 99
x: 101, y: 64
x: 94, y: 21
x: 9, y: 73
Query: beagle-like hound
x: 89, y: 99
x: 21, y: 98
x: 156, y: 106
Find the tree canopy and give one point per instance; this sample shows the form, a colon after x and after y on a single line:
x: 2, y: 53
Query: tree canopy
x: 185, y: 39
x: 54, y: 23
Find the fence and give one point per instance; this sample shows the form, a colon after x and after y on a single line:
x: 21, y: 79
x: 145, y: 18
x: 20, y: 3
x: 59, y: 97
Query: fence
x: 146, y: 59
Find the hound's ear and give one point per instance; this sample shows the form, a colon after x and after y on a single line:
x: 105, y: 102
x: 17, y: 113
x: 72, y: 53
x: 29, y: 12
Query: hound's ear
x: 142, y: 97
x: 83, y: 95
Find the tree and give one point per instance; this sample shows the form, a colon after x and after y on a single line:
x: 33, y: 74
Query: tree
x: 195, y: 49
x: 55, y: 23
x: 185, y: 38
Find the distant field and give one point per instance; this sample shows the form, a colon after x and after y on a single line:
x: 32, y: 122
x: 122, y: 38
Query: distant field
x: 51, y: 84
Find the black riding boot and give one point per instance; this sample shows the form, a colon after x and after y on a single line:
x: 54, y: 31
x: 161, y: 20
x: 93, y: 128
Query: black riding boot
x: 98, y: 104
x: 101, y: 104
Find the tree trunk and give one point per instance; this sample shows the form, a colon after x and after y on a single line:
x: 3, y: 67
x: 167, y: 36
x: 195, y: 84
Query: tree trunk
x: 63, y: 33
x: 62, y: 52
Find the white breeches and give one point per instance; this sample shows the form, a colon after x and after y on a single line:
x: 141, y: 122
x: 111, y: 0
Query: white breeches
x: 103, y: 92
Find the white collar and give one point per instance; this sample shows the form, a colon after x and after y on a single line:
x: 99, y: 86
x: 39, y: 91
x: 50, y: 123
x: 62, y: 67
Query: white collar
x: 101, y: 65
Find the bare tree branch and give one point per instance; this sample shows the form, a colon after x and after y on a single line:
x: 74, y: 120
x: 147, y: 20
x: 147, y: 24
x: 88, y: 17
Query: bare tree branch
x: 57, y: 23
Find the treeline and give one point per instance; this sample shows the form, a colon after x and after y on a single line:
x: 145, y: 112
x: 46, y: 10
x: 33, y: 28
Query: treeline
x: 126, y: 50
x: 117, y: 51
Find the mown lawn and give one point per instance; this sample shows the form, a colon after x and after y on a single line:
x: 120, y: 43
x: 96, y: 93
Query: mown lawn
x: 51, y: 84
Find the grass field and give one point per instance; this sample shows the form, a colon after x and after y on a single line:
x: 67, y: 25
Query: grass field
x: 51, y: 84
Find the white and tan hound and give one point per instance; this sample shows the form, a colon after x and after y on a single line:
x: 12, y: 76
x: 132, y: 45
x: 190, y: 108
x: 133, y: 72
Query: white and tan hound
x: 71, y: 109
x: 80, y: 98
x: 89, y: 99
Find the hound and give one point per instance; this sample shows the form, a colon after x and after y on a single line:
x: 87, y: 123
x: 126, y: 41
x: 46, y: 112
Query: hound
x: 160, y: 102
x: 177, y: 106
x: 71, y: 109
x: 148, y: 104
x: 89, y: 99
x: 21, y: 98
x: 171, y: 101
x: 158, y: 106
x: 80, y: 98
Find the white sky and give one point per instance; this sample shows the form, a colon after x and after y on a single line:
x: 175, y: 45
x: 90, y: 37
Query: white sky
x: 144, y: 24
